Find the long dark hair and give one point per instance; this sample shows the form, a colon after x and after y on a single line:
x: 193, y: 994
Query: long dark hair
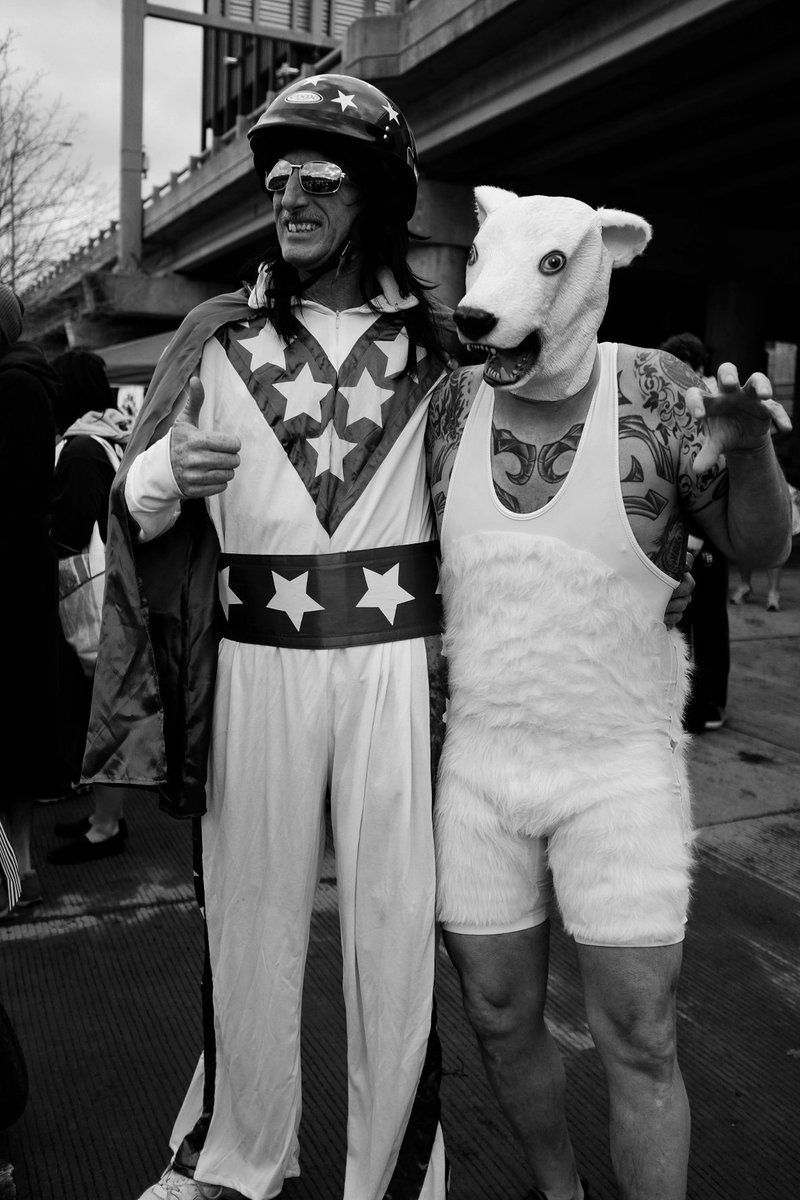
x: 381, y: 238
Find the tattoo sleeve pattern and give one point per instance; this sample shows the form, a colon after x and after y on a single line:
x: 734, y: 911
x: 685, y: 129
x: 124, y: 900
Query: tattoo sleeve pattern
x: 663, y: 381
x: 446, y: 415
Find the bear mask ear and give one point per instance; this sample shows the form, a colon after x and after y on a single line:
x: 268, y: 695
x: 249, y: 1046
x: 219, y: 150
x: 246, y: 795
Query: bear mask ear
x: 624, y: 234
x: 487, y: 199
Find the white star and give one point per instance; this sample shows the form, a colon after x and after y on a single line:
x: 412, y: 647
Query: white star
x: 393, y: 113
x: 291, y: 596
x: 345, y: 100
x: 304, y: 395
x: 396, y: 354
x: 330, y: 451
x: 365, y: 400
x: 314, y: 79
x: 384, y: 592
x: 227, y: 595
x: 260, y: 347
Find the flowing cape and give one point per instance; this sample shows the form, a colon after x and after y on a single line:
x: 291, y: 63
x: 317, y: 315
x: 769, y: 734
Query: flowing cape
x: 150, y: 723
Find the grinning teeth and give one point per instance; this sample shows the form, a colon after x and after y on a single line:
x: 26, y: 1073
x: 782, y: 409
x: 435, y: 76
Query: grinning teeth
x: 296, y: 227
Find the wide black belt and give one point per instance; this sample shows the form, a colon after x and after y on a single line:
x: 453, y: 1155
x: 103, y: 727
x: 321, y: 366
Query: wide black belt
x: 319, y: 601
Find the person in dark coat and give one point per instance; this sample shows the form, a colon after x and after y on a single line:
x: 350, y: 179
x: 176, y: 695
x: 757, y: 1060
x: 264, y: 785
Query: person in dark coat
x: 31, y: 763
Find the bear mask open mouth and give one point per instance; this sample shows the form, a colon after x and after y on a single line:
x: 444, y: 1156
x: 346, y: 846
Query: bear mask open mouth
x: 503, y: 368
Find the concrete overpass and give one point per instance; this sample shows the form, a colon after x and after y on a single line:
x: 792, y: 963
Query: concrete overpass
x: 683, y: 110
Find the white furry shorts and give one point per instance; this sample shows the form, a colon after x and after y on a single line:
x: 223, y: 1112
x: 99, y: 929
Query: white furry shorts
x: 620, y: 868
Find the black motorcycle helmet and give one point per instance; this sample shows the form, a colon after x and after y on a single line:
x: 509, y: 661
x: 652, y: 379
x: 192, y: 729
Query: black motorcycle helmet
x: 340, y: 111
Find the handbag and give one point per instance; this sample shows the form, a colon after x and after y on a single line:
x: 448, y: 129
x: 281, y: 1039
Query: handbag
x: 81, y: 583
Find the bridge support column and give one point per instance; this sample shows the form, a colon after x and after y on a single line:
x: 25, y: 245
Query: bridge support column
x: 445, y: 216
x: 130, y: 166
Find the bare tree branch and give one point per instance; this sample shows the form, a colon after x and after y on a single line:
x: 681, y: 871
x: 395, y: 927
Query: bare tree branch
x: 48, y: 205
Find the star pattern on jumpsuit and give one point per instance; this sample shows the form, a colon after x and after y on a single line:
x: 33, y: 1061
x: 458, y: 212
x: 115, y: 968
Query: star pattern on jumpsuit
x: 260, y: 348
x: 227, y: 595
x: 384, y: 591
x: 365, y: 400
x: 396, y: 353
x: 291, y: 596
x: 330, y: 450
x: 303, y: 395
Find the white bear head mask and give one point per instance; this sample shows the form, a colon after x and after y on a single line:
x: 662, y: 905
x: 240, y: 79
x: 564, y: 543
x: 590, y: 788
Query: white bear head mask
x: 537, y: 283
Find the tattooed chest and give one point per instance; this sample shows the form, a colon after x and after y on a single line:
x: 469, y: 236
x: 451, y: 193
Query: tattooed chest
x: 527, y: 474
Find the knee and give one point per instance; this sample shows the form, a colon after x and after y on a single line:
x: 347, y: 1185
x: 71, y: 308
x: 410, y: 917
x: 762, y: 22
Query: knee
x: 500, y: 1009
x: 644, y: 1042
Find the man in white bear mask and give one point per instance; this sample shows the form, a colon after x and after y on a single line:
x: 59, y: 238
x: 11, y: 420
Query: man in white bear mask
x: 565, y: 474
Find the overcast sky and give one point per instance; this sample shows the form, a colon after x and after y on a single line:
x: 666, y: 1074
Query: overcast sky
x: 76, y: 47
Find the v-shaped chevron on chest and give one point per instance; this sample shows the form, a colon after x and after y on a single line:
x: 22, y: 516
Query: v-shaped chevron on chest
x: 335, y: 425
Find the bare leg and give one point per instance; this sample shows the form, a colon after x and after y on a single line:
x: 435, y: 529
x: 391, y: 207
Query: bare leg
x: 742, y: 592
x: 774, y: 588
x: 504, y: 985
x: 630, y: 1005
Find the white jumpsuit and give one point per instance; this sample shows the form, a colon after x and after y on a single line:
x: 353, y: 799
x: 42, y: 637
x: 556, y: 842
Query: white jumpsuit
x: 332, y: 461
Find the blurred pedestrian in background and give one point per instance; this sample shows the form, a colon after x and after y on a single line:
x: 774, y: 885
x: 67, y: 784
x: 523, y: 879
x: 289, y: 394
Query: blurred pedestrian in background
x: 705, y: 623
x: 786, y: 451
x: 94, y: 434
x: 31, y: 765
x: 743, y: 594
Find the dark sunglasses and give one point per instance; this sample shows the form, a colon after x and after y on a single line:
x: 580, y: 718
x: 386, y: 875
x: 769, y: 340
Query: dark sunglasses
x: 316, y: 178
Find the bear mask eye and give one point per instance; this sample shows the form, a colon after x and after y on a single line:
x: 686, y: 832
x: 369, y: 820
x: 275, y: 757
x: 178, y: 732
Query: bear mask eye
x: 553, y: 262
x: 472, y: 256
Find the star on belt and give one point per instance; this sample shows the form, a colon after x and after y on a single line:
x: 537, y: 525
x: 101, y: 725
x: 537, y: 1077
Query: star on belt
x: 291, y: 596
x: 384, y: 592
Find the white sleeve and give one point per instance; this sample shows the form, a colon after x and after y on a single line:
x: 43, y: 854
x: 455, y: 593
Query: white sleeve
x: 151, y: 493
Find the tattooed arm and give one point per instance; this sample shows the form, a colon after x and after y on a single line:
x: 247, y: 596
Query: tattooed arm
x: 744, y: 511
x: 653, y: 421
x: 450, y: 403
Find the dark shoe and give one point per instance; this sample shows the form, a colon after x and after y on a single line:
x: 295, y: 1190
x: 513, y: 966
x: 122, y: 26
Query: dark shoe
x: 83, y: 850
x: 30, y: 893
x: 76, y: 829
x: 80, y: 789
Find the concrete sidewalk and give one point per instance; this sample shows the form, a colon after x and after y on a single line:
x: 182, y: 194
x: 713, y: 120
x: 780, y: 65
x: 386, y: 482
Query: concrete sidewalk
x: 102, y: 984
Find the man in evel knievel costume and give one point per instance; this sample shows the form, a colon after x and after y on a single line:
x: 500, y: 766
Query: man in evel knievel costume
x: 271, y: 583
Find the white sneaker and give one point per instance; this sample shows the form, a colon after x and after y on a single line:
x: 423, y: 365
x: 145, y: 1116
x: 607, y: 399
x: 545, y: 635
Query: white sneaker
x: 173, y: 1186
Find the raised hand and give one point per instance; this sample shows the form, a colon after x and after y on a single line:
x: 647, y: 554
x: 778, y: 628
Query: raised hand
x: 203, y: 462
x: 737, y: 417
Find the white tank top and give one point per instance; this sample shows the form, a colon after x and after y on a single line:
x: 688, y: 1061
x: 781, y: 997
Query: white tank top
x: 587, y: 512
